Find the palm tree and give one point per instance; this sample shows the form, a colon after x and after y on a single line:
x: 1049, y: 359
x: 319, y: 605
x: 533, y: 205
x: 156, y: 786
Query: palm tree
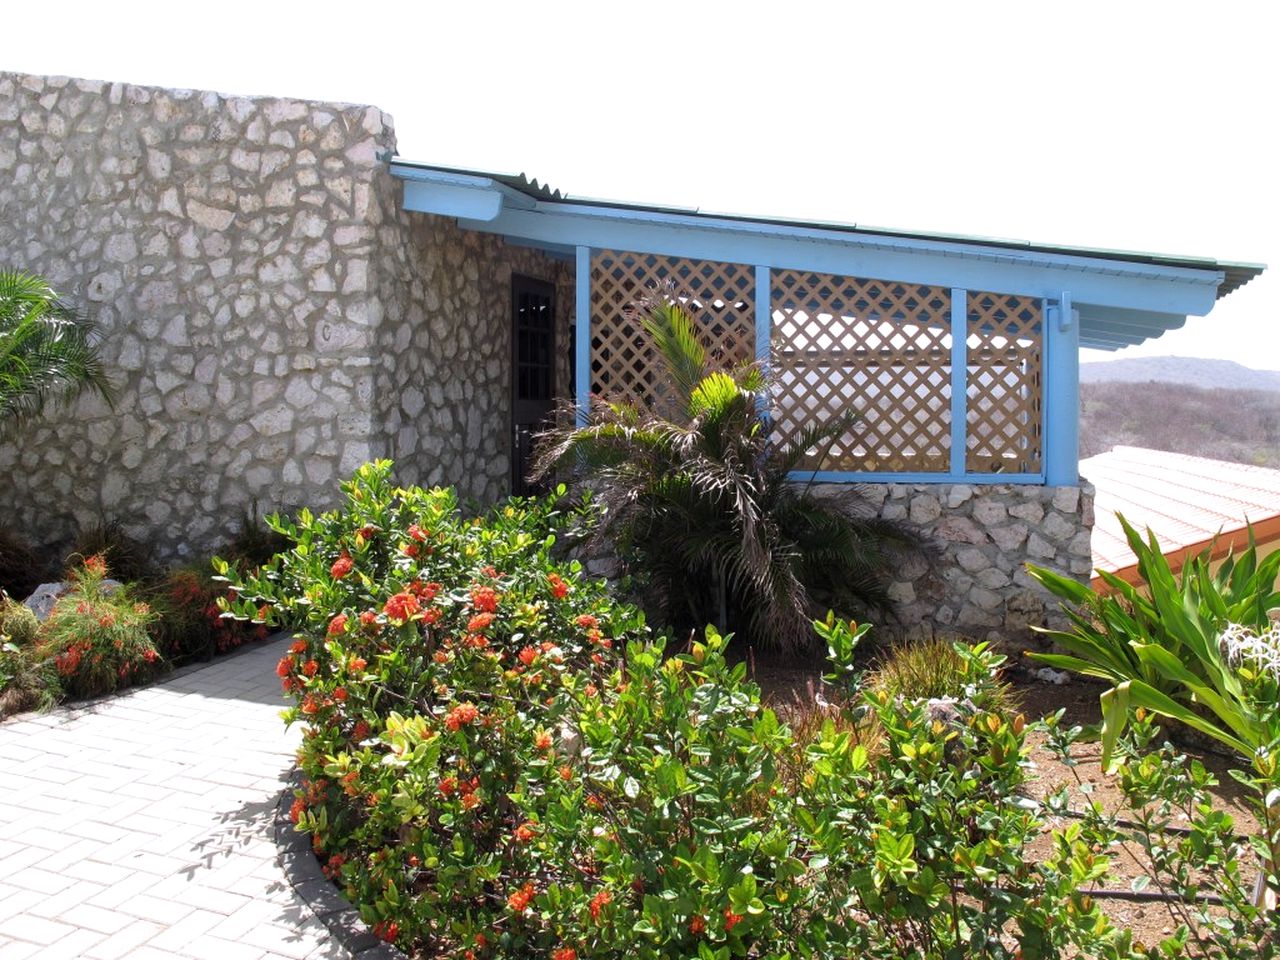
x: 699, y: 498
x: 48, y: 352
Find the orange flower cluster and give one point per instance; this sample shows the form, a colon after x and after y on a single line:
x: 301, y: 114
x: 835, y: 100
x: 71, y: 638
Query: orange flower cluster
x: 522, y: 898
x: 342, y: 566
x: 484, y: 599
x: 559, y: 589
x: 598, y: 903
x: 401, y: 607
x: 461, y: 715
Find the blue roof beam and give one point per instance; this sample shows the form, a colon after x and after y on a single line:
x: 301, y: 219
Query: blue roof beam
x: 1141, y: 287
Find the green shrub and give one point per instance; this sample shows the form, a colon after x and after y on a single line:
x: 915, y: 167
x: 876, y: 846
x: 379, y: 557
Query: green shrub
x: 189, y: 624
x: 48, y: 351
x: 18, y: 623
x: 255, y: 543
x: 98, y: 639
x: 938, y: 669
x: 1162, y: 635
x: 24, y: 682
x: 1199, y: 649
x: 1187, y: 847
x: 497, y: 759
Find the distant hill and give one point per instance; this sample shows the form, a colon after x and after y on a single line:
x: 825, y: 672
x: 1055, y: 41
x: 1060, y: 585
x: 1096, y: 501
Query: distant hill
x: 1239, y: 426
x: 1188, y: 371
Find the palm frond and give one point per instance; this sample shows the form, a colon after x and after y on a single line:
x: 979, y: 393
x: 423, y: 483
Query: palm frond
x: 48, y: 350
x: 674, y: 336
x: 699, y: 498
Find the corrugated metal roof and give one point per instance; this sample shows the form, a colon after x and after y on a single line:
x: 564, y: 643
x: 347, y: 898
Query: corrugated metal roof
x: 1185, y: 500
x: 1236, y: 274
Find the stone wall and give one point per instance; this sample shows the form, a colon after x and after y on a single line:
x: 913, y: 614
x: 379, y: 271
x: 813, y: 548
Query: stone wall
x: 271, y: 317
x: 219, y: 241
x: 445, y: 353
x: 978, y: 585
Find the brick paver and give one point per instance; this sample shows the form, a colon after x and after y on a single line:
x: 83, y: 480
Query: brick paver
x: 141, y: 826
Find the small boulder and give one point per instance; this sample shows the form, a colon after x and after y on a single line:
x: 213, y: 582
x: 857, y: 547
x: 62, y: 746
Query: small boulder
x: 45, y: 597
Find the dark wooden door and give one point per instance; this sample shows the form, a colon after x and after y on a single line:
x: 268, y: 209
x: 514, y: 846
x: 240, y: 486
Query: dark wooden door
x: 533, y: 372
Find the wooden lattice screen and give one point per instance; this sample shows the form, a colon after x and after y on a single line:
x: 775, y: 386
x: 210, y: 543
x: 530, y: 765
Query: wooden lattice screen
x: 879, y: 349
x: 1005, y: 358
x: 721, y: 297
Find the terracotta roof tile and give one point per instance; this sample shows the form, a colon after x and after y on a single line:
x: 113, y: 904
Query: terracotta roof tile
x: 1185, y: 500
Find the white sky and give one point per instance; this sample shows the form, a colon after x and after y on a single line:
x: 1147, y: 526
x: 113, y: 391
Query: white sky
x: 1148, y: 126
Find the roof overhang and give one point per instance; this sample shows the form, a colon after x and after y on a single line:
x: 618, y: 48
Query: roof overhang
x: 1122, y: 298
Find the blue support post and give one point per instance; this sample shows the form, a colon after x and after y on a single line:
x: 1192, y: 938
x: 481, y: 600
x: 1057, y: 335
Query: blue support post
x: 582, y: 345
x: 959, y: 381
x: 764, y: 314
x: 764, y: 329
x: 1062, y: 393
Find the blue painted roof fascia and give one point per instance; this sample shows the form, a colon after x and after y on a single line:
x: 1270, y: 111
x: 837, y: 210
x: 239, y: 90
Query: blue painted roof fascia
x: 1154, y: 290
x: 482, y: 203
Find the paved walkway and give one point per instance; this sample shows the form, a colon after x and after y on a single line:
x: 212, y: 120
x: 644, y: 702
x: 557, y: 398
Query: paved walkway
x: 141, y: 826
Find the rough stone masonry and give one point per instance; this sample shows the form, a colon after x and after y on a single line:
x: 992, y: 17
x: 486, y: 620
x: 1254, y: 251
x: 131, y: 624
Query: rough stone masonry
x: 272, y: 318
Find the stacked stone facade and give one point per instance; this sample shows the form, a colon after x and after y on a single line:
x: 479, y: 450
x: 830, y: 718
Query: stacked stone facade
x: 271, y: 317
x: 977, y: 584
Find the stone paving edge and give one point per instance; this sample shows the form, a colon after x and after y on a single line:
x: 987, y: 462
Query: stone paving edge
x: 302, y: 871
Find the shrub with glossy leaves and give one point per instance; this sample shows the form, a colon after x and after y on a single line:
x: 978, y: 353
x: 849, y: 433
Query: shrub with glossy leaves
x: 499, y: 762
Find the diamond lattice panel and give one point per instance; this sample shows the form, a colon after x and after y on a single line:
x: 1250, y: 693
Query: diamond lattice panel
x: 876, y: 348
x: 721, y: 297
x: 1006, y: 353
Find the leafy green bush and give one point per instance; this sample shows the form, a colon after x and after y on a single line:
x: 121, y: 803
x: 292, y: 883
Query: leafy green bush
x: 48, y: 350
x: 1199, y: 649
x: 189, y: 623
x: 699, y: 499
x: 1158, y: 641
x: 18, y: 623
x: 1189, y: 849
x: 254, y: 543
x: 499, y: 762
x: 24, y: 683
x: 98, y: 639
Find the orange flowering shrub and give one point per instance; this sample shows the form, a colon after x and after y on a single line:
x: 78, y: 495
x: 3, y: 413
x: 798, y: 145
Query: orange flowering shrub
x: 98, y: 639
x: 190, y: 623
x: 499, y: 762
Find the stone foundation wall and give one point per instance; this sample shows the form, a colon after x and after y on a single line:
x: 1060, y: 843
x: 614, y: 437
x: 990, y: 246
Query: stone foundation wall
x: 986, y: 534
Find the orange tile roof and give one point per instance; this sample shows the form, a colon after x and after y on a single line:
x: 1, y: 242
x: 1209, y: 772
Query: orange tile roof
x: 1185, y: 500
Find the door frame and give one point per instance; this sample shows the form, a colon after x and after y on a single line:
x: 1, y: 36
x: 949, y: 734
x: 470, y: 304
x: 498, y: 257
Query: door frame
x: 526, y: 283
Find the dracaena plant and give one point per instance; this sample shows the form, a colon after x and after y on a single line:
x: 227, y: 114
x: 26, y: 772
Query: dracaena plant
x: 1198, y: 648
x: 699, y: 495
